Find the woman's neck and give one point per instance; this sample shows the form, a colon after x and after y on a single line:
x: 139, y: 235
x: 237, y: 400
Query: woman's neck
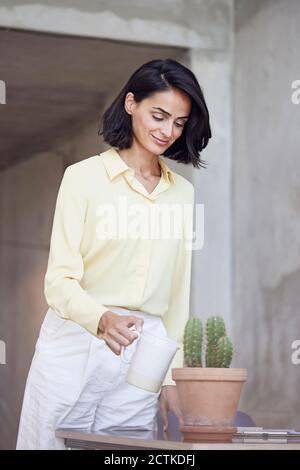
x: 143, y: 162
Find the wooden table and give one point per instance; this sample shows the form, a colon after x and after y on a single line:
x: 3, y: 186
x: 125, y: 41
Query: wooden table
x: 78, y: 440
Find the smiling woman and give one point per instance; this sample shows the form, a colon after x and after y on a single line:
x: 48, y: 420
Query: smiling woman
x: 98, y: 287
x: 160, y: 108
x: 151, y: 119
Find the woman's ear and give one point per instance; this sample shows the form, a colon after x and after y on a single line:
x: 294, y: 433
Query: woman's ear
x: 129, y: 102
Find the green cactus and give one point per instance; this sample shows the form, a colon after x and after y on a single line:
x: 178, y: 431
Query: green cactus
x: 224, y: 352
x: 219, y: 349
x: 215, y: 329
x: 193, y: 343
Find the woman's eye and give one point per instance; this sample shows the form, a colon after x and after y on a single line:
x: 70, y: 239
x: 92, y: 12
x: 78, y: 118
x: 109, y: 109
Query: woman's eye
x: 161, y: 119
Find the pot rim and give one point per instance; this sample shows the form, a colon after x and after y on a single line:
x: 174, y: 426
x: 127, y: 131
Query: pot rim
x: 210, y: 373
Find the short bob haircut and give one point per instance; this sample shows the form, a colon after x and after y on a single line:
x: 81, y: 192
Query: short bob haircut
x: 157, y: 76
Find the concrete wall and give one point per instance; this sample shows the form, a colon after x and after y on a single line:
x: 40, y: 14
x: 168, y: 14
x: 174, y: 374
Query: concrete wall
x: 27, y: 199
x: 266, y: 208
x: 203, y: 24
x: 212, y: 265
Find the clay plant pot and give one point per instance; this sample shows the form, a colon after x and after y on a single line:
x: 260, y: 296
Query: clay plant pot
x: 208, y: 433
x: 209, y: 396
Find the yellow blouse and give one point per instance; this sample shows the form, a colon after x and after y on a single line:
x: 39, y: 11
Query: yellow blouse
x: 103, y: 252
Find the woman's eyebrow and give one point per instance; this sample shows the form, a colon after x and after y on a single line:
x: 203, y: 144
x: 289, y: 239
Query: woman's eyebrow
x: 166, y: 112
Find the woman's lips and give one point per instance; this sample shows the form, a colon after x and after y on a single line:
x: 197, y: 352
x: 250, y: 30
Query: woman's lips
x: 160, y: 142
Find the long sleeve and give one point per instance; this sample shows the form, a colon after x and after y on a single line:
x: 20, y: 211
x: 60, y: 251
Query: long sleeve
x: 178, y: 312
x: 65, y: 268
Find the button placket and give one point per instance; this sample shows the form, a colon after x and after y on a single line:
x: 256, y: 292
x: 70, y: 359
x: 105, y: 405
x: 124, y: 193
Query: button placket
x: 142, y: 267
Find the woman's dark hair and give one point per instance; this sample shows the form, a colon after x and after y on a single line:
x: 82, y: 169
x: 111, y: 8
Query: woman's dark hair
x: 156, y: 76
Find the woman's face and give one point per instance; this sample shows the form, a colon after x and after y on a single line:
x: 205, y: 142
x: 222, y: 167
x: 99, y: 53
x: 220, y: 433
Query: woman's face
x: 159, y: 120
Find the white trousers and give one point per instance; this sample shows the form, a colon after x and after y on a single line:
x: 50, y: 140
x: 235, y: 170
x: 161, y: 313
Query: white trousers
x: 76, y: 382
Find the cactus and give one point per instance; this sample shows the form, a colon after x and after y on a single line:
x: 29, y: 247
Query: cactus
x: 193, y: 343
x: 215, y: 329
x: 219, y: 350
x: 224, y: 352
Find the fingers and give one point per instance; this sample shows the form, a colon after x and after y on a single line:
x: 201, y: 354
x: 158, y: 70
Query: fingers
x: 138, y: 322
x: 179, y: 416
x: 119, y: 338
x: 117, y: 333
x: 113, y: 345
x: 164, y: 413
x: 130, y: 335
x: 169, y: 400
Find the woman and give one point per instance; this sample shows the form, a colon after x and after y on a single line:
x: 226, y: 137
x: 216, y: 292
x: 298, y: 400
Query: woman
x: 100, y: 283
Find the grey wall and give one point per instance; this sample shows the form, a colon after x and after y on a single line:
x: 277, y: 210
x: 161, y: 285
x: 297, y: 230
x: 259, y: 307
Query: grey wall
x: 200, y: 24
x: 212, y: 265
x: 27, y: 200
x: 266, y: 208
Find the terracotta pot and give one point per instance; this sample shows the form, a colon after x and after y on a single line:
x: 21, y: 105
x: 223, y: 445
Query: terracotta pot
x: 208, y: 433
x: 209, y: 396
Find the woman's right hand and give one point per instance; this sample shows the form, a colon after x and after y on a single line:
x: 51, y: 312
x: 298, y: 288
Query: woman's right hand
x: 115, y: 331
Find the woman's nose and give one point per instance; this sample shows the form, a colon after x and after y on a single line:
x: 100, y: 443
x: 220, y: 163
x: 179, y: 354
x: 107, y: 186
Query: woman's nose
x: 166, y: 130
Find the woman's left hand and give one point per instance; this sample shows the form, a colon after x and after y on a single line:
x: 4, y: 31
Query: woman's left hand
x: 169, y: 400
